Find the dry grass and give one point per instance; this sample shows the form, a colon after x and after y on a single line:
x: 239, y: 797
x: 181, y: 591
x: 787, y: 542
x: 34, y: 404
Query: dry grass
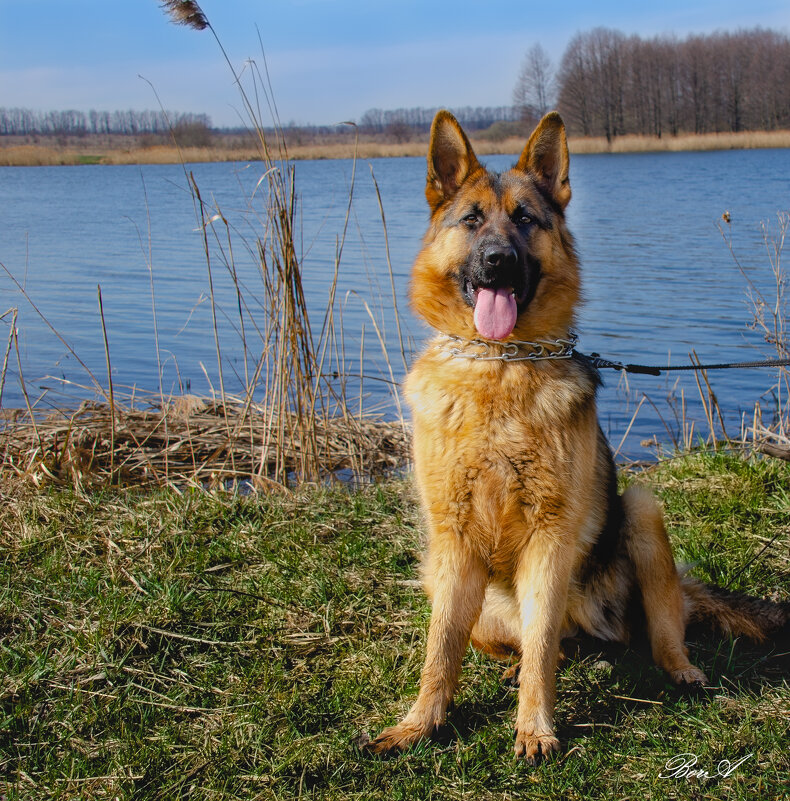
x: 745, y: 140
x: 168, y: 154
x: 192, y: 441
x: 37, y: 156
x: 131, y: 153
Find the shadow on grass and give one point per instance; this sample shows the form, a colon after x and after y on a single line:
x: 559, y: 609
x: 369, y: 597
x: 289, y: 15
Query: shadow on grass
x: 602, y: 684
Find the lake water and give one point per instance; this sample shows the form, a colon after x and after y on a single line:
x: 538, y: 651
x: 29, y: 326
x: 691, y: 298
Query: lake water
x: 659, y: 280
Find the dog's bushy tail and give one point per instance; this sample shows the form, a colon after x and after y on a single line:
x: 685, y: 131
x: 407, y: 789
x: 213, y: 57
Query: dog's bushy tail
x: 735, y: 613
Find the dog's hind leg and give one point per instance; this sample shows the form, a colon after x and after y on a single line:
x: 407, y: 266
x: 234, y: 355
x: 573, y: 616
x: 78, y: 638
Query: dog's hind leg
x: 648, y: 548
x: 497, y: 631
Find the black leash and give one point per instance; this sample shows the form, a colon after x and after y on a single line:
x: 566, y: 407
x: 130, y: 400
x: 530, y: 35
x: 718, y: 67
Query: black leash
x: 595, y: 360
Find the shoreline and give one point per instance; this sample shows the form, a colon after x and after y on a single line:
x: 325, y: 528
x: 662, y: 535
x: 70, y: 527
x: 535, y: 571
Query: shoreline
x: 83, y: 153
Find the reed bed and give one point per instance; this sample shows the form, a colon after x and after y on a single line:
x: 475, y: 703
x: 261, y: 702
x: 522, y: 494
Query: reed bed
x: 39, y: 156
x: 743, y: 140
x: 292, y: 423
x: 132, y: 153
x: 187, y: 442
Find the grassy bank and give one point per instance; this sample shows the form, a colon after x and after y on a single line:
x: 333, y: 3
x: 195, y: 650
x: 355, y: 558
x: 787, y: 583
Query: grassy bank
x: 174, y: 645
x: 130, y: 152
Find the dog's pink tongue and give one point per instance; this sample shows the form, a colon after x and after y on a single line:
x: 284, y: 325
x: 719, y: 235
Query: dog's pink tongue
x: 495, y: 313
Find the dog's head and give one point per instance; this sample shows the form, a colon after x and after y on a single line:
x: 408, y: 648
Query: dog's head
x: 498, y: 262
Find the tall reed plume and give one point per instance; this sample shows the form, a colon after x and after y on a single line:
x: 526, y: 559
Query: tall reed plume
x: 186, y: 12
x: 291, y: 369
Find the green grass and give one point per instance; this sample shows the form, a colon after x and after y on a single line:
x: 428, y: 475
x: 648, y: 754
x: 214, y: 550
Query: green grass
x: 211, y: 646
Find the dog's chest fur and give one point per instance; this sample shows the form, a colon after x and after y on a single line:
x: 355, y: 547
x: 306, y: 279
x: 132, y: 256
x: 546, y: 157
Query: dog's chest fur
x: 493, y: 444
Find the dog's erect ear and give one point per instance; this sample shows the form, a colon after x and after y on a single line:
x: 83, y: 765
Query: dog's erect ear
x: 546, y: 157
x: 450, y: 160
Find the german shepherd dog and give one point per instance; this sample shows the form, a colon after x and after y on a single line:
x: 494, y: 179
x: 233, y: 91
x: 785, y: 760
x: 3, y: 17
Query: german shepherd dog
x: 529, y: 540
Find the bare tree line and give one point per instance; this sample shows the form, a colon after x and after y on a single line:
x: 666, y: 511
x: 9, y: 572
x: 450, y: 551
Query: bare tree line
x: 609, y: 84
x: 397, y: 123
x: 377, y: 120
x: 25, y: 122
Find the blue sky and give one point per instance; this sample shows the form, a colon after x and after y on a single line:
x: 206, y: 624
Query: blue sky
x: 329, y: 60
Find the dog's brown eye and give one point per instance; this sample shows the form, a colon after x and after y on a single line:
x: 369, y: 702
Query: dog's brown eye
x: 522, y: 218
x: 470, y: 219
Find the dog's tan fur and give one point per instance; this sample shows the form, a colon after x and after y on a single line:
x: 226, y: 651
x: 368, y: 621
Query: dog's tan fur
x: 528, y: 538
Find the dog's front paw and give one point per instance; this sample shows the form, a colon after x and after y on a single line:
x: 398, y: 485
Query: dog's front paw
x: 397, y: 738
x: 689, y: 677
x: 536, y: 747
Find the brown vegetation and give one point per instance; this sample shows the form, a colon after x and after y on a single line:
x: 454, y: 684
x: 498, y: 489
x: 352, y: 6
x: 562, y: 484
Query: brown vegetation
x: 634, y: 143
x: 189, y: 440
x: 127, y: 150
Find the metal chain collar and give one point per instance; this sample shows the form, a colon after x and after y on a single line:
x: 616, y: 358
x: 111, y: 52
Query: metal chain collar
x: 485, y: 350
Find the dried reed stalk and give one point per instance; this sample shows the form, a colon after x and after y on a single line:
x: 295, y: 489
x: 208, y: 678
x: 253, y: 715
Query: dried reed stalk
x: 769, y: 316
x: 291, y: 422
x: 109, y: 382
x: 12, y: 329
x: 288, y: 374
x: 186, y: 442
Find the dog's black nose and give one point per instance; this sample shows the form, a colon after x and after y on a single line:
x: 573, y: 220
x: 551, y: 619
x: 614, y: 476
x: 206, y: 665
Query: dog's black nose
x: 499, y: 256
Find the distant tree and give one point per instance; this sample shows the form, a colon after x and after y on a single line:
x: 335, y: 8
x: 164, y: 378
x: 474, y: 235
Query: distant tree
x: 534, y: 92
x: 607, y: 57
x: 191, y: 132
x: 402, y: 123
x: 399, y: 130
x: 696, y: 83
x: 372, y: 121
x: 575, y: 99
x: 609, y: 84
